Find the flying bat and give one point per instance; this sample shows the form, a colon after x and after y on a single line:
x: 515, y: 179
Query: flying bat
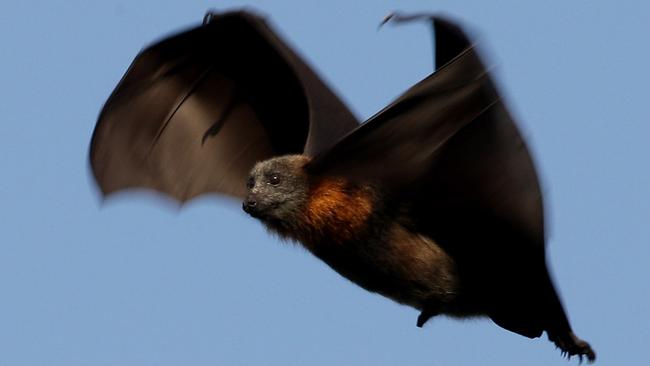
x: 434, y: 202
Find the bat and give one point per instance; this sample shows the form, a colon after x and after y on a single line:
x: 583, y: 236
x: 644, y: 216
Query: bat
x: 434, y: 202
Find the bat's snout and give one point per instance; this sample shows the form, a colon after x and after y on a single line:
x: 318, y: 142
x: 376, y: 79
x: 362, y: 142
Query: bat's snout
x: 250, y: 205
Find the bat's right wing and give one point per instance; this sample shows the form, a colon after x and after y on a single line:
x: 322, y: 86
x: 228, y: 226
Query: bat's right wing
x: 195, y: 111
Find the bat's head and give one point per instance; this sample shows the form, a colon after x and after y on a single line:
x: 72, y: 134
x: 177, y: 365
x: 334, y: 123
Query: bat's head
x: 277, y: 189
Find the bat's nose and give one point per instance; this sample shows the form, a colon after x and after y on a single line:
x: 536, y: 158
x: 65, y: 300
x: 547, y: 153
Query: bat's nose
x: 249, y: 205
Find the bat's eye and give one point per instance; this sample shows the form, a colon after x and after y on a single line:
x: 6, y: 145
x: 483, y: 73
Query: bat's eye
x: 274, y: 179
x: 250, y: 183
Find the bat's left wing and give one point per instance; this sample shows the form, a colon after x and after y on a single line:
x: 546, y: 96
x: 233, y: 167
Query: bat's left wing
x: 449, y: 150
x: 451, y: 139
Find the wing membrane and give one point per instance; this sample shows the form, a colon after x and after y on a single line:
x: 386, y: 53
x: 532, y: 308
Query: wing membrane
x: 195, y: 111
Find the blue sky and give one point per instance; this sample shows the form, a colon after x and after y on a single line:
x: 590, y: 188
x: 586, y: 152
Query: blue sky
x: 134, y: 282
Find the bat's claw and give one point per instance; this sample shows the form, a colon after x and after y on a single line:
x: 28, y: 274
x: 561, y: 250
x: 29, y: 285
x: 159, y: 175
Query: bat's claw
x: 209, y: 16
x: 397, y: 17
x: 386, y: 19
x: 570, y: 346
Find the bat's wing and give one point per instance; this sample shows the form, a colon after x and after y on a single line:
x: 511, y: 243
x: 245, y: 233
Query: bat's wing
x: 450, y: 142
x: 195, y: 111
x: 450, y: 150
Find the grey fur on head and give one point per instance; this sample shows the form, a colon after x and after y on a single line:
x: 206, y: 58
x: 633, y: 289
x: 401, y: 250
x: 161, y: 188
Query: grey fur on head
x: 279, y: 187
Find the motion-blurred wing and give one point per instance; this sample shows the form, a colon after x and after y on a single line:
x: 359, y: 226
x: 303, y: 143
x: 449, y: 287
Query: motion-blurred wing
x: 450, y: 147
x: 195, y: 111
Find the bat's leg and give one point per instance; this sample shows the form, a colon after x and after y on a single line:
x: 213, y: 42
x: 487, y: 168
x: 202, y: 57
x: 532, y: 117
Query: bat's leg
x: 427, y: 313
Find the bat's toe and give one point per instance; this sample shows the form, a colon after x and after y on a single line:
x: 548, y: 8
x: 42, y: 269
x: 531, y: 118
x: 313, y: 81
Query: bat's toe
x: 570, y: 345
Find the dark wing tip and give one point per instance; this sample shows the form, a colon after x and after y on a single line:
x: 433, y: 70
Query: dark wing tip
x: 450, y: 39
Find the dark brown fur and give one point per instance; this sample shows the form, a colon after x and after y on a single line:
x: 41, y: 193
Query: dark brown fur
x: 364, y: 237
x: 368, y: 237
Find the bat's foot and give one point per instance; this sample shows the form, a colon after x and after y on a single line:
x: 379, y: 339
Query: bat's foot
x: 425, y: 315
x: 570, y: 345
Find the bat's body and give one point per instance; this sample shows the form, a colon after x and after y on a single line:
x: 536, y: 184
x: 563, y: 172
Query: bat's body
x: 434, y: 202
x: 360, y: 233
x: 371, y: 238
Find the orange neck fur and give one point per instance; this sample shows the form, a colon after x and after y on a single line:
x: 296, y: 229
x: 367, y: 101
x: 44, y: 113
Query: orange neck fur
x: 336, y: 211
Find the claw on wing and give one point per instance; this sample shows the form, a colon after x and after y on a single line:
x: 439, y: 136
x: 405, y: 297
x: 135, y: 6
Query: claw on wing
x: 397, y: 17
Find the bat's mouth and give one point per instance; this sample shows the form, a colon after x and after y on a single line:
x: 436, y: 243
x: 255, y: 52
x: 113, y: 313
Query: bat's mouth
x: 266, y: 218
x: 259, y: 211
x: 251, y: 208
x: 255, y: 214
